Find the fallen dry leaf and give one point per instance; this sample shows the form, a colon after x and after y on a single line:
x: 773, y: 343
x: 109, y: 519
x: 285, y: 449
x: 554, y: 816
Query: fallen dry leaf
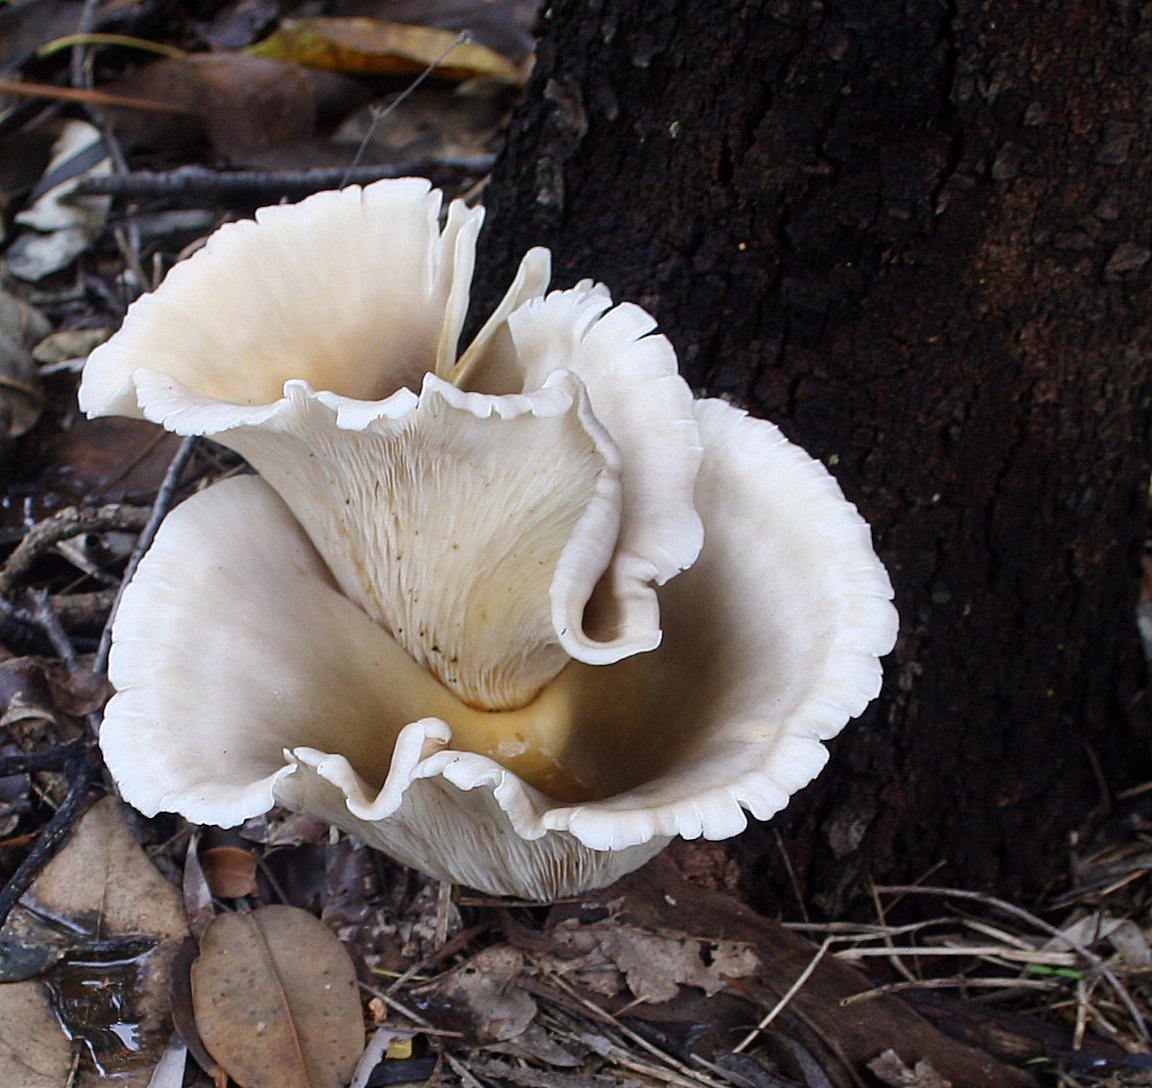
x: 43, y: 685
x: 21, y: 326
x: 230, y: 872
x: 34, y: 1052
x: 654, y: 965
x: 30, y: 946
x: 481, y: 997
x: 68, y: 345
x: 434, y: 123
x: 891, y: 1070
x: 243, y: 104
x: 196, y: 892
x: 378, y: 47
x: 62, y: 224
x: 106, y: 460
x: 276, y: 1001
x: 111, y: 989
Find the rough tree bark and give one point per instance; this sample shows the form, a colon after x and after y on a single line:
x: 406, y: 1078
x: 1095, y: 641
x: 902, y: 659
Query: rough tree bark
x: 915, y: 234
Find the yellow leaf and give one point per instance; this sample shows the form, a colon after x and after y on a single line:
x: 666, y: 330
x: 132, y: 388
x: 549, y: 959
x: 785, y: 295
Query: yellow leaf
x: 360, y: 46
x: 399, y: 1050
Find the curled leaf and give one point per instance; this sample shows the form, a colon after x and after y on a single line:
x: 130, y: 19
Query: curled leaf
x: 230, y: 871
x: 378, y: 47
x: 275, y: 998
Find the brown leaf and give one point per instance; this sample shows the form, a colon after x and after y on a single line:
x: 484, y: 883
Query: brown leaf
x: 891, y: 1070
x: 482, y: 997
x: 34, y: 1052
x: 183, y: 1016
x: 244, y: 104
x: 111, y: 989
x: 108, y: 460
x: 654, y: 965
x: 276, y: 1001
x: 20, y: 399
x: 20, y: 396
x: 230, y: 872
x: 433, y: 123
x: 40, y: 687
x: 379, y: 47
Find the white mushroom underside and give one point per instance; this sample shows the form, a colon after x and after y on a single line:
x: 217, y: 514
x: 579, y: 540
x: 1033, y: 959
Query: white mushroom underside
x: 358, y: 294
x: 448, y: 524
x: 261, y: 656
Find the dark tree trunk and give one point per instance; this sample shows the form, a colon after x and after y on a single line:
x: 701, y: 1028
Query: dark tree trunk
x: 915, y: 234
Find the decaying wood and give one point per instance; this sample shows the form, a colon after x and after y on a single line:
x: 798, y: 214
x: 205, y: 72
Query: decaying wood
x: 842, y: 1037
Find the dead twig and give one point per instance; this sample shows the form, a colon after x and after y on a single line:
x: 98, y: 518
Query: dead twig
x: 84, y: 609
x: 790, y: 993
x: 201, y: 185
x: 71, y: 522
x: 949, y: 984
x: 81, y: 770
x: 1139, y: 1024
x: 46, y: 619
x: 678, y: 1072
x: 159, y: 510
x: 20, y: 88
x: 49, y: 759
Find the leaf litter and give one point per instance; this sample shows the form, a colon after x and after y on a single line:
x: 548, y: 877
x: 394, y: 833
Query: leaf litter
x: 660, y: 980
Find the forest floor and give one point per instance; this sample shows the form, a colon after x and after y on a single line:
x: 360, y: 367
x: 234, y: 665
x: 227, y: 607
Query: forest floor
x: 120, y: 150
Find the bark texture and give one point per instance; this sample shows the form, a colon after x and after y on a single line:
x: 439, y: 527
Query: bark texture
x: 916, y: 235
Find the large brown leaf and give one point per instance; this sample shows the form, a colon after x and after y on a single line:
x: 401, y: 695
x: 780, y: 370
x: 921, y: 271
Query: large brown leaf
x: 276, y: 1002
x: 122, y: 924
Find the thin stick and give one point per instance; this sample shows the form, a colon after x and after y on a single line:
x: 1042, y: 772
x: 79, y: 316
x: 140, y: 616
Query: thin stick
x: 443, y: 913
x: 20, y: 88
x: 462, y: 1071
x: 159, y: 509
x: 1012, y: 955
x: 782, y: 1004
x: 953, y: 983
x: 82, y: 771
x: 791, y: 874
x: 425, y: 1025
x: 896, y: 962
x: 47, y: 759
x: 605, y: 1017
x: 1106, y: 973
x: 67, y: 523
x: 200, y: 183
x: 378, y: 115
x: 1081, y: 1014
x: 79, y: 58
x: 46, y: 619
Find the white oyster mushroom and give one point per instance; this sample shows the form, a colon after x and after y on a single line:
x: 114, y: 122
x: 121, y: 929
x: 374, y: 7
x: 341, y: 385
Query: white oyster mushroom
x: 516, y: 618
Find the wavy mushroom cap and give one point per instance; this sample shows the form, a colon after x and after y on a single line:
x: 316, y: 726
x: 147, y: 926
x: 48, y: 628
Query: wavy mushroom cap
x: 451, y: 617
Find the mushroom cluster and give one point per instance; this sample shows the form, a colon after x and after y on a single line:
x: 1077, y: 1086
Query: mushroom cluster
x: 516, y: 616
